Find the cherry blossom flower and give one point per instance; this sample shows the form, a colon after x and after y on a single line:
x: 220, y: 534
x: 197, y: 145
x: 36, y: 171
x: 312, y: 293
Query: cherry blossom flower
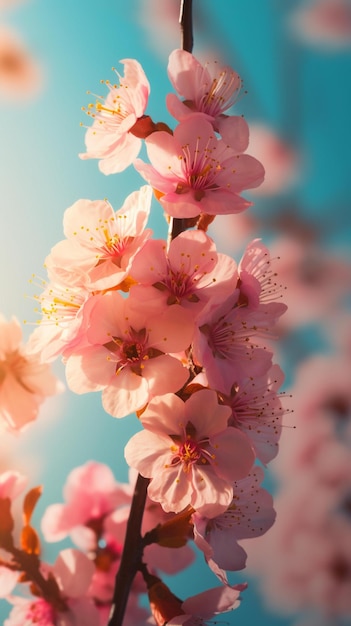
x: 190, y: 453
x: 277, y: 157
x: 65, y: 315
x: 25, y: 382
x: 129, y: 356
x: 224, y: 343
x: 194, y: 172
x: 210, y: 89
x: 189, y: 273
x: 92, y: 494
x: 324, y: 22
x: 72, y: 572
x: 100, y: 242
x: 20, y: 76
x: 250, y: 514
x: 257, y: 410
x: 258, y: 284
x: 110, y: 138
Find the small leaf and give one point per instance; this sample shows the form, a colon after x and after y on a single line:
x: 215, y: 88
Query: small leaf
x: 30, y: 542
x: 30, y: 502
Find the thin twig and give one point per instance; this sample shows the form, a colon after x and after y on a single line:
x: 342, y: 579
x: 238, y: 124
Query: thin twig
x: 186, y: 25
x: 132, y: 554
x: 177, y: 226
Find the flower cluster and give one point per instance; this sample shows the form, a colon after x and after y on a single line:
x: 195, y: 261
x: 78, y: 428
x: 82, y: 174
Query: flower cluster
x: 173, y: 330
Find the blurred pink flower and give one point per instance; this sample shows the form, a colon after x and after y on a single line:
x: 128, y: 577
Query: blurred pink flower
x: 322, y: 409
x: 305, y: 559
x: 277, y: 157
x: 193, y: 172
x: 190, y: 453
x: 12, y: 484
x: 316, y: 281
x: 324, y: 22
x: 72, y: 571
x: 92, y: 494
x: 232, y: 232
x: 25, y: 382
x: 20, y: 75
x: 110, y: 138
x: 160, y: 23
x: 4, y: 4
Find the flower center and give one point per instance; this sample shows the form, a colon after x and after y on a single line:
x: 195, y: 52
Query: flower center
x: 190, y: 451
x: 132, y: 352
x: 220, y: 94
x: 42, y: 613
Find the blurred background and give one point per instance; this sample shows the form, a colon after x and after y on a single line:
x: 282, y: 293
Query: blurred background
x: 295, y: 61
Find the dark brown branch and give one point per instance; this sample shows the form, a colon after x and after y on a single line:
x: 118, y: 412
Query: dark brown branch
x: 186, y: 25
x: 132, y: 554
x: 177, y: 226
x: 133, y: 546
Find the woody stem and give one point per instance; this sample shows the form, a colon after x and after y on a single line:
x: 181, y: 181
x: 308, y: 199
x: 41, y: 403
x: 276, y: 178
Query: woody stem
x: 132, y: 554
x: 178, y: 225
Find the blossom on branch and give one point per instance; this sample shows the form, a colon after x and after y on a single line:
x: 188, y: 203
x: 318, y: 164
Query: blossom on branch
x: 190, y: 273
x: 250, y: 514
x: 129, y: 353
x: 110, y: 138
x: 100, y: 242
x: 210, y: 89
x: 193, y: 172
x: 190, y: 453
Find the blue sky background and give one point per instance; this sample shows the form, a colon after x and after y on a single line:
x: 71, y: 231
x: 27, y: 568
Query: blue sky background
x: 303, y: 92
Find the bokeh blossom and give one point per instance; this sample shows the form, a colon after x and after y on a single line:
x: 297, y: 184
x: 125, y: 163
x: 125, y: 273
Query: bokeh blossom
x: 72, y: 572
x: 278, y: 158
x: 20, y: 74
x: 92, y: 494
x: 326, y: 23
x: 25, y: 382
